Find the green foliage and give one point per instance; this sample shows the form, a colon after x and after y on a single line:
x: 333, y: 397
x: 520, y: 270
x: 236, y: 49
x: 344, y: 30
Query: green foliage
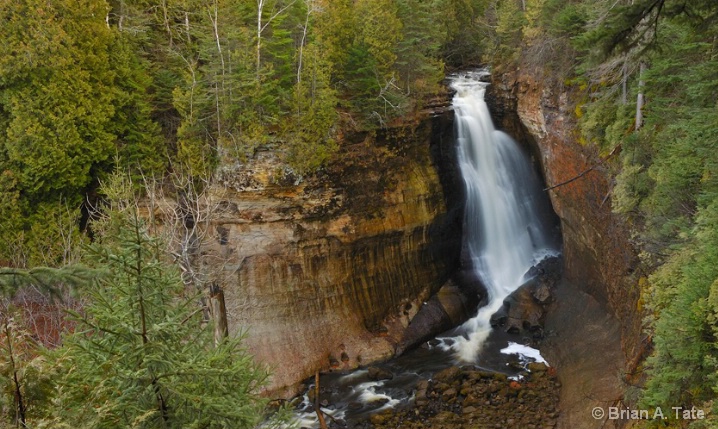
x: 563, y: 18
x: 334, y: 30
x: 631, y: 187
x: 315, y: 113
x: 510, y: 20
x: 666, y: 183
x: 465, y: 30
x: 139, y: 145
x: 73, y: 98
x: 666, y: 168
x: 419, y: 64
x: 25, y: 386
x: 143, y: 84
x: 606, y: 121
x: 378, y: 32
x: 684, y: 367
x: 142, y: 355
x: 374, y: 98
x: 59, y: 108
x: 44, y: 278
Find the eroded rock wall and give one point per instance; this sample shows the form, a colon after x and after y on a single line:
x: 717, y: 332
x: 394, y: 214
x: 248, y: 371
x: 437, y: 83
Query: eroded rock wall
x: 596, y: 323
x: 327, y: 271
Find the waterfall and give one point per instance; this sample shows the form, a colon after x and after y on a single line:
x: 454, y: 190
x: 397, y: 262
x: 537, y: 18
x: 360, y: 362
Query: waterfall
x: 504, y: 234
x: 507, y: 230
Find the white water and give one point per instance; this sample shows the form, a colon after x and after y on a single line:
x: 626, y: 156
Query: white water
x: 526, y: 354
x: 502, y: 234
x: 502, y: 231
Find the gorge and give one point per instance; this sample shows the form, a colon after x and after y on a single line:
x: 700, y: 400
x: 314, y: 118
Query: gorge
x: 234, y: 200
x: 391, y: 253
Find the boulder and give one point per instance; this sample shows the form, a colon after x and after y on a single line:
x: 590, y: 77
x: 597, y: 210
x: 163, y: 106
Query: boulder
x: 448, y: 375
x: 449, y: 307
x: 523, y: 312
x: 375, y: 373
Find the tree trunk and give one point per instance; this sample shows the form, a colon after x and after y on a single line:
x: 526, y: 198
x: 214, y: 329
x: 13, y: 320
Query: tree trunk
x: 219, y: 313
x: 624, y: 82
x: 260, y: 7
x: 305, y: 29
x: 640, y: 100
x: 215, y: 27
x: 19, y: 400
x: 320, y: 416
x: 166, y: 19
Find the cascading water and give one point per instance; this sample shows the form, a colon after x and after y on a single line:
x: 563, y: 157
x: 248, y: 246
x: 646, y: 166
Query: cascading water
x: 504, y: 234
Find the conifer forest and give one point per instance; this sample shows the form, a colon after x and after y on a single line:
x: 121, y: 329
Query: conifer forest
x: 139, y: 139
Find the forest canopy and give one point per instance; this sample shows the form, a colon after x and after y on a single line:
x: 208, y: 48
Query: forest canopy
x: 159, y: 88
x: 164, y: 86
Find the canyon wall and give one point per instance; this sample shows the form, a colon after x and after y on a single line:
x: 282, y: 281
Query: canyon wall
x: 325, y: 272
x: 594, y: 337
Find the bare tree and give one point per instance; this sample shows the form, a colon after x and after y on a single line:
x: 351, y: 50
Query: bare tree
x: 185, y: 210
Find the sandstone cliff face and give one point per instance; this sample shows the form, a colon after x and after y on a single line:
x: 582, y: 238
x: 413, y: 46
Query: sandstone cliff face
x: 326, y: 272
x: 596, y: 322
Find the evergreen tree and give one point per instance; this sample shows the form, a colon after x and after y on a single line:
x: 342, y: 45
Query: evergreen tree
x: 141, y: 355
x: 26, y: 384
x: 314, y: 117
x: 56, y: 95
x: 418, y: 63
x: 467, y: 31
x: 74, y: 99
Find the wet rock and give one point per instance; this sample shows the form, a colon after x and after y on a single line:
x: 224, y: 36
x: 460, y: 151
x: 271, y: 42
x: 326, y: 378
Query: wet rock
x: 388, y: 211
x: 448, y: 308
x: 378, y: 419
x: 542, y: 294
x: 499, y: 377
x: 449, y: 394
x: 377, y: 374
x: 448, y: 375
x: 524, y: 311
x: 422, y: 385
x: 537, y: 367
x: 493, y: 401
x: 471, y: 400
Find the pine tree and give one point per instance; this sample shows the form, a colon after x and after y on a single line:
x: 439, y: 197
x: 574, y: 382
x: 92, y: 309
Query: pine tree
x: 418, y: 63
x: 141, y: 355
x: 311, y: 140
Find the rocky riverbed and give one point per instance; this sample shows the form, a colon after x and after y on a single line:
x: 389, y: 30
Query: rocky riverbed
x: 468, y: 397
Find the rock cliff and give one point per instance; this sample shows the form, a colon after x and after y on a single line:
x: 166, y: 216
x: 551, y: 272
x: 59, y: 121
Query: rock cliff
x: 327, y: 271
x: 595, y: 326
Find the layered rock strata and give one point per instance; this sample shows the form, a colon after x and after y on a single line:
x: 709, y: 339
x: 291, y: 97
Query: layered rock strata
x: 327, y: 272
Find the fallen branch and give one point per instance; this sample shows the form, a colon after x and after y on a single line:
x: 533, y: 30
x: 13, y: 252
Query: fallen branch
x: 571, y: 179
x: 320, y: 415
x: 588, y: 170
